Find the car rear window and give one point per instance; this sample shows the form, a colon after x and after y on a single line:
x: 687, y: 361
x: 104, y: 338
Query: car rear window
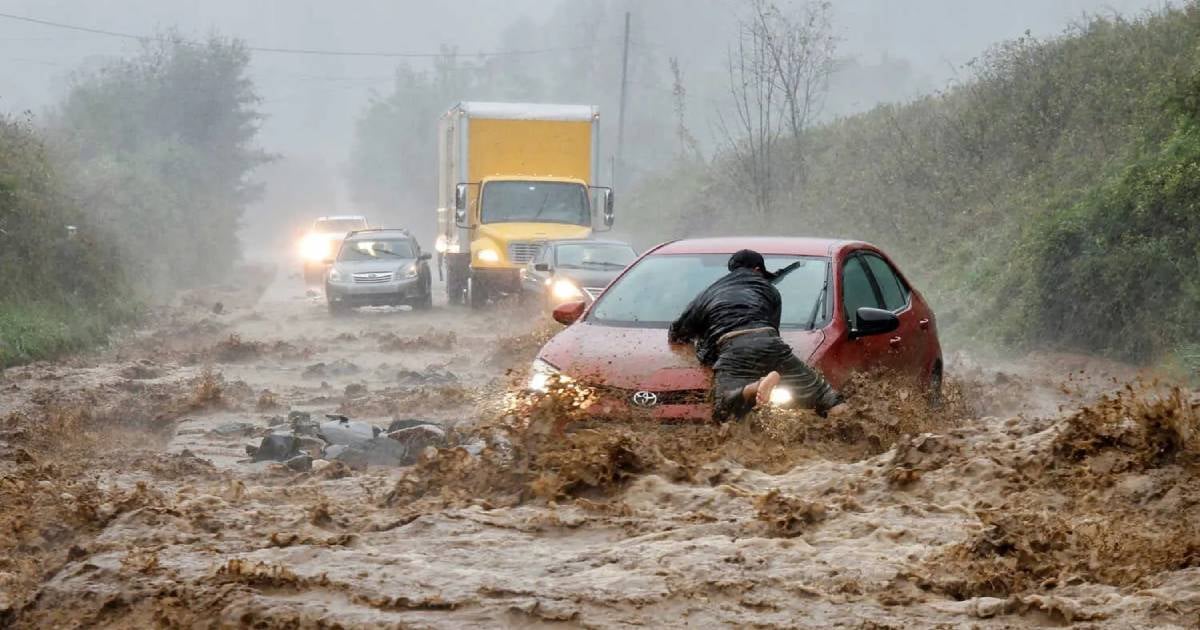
x: 657, y: 289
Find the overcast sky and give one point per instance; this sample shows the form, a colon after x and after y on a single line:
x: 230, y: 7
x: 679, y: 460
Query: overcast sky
x: 312, y: 101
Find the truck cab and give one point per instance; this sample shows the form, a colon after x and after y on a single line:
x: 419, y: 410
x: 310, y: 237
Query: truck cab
x: 512, y: 177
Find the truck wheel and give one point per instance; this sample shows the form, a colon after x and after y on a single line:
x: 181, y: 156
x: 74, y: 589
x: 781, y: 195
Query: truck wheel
x: 476, y: 294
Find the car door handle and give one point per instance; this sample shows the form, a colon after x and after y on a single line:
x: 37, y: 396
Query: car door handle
x: 894, y: 341
x: 924, y: 324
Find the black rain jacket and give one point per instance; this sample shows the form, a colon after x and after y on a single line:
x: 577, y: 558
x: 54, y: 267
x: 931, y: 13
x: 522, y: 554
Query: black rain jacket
x: 741, y: 299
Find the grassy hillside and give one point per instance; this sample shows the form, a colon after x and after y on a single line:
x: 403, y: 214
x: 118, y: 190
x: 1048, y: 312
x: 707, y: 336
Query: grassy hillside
x: 1046, y: 201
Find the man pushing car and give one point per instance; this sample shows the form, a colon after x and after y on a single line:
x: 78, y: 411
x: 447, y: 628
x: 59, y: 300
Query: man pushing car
x: 735, y: 326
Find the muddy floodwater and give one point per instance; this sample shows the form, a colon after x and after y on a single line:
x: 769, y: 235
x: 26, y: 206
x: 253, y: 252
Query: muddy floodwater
x: 1048, y: 491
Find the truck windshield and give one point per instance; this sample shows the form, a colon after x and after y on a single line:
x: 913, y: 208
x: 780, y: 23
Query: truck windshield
x: 535, y: 202
x: 656, y: 290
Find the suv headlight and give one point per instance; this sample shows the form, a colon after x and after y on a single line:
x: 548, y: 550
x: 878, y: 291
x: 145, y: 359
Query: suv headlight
x: 540, y: 374
x: 410, y: 271
x: 336, y: 275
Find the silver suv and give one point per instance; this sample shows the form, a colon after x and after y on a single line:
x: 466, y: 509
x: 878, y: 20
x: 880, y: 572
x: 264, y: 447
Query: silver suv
x: 378, y: 268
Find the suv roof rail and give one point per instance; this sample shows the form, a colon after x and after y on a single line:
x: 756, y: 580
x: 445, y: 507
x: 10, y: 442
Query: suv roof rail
x: 353, y: 232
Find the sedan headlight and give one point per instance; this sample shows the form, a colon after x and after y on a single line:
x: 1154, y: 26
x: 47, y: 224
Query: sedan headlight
x: 488, y: 255
x: 566, y: 290
x: 540, y: 374
x: 781, y: 396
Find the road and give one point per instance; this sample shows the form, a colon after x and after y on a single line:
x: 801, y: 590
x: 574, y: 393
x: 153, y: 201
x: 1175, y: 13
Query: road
x: 1026, y: 500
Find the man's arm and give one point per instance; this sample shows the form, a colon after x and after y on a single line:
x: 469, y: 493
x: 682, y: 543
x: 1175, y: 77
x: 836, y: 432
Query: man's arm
x: 687, y: 325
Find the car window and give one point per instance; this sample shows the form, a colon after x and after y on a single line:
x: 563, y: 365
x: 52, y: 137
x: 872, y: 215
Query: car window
x: 373, y: 250
x: 657, y: 289
x: 895, y: 297
x: 857, y: 291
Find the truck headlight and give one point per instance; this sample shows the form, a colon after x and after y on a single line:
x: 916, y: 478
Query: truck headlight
x: 566, y: 290
x: 539, y: 376
x: 781, y: 396
x: 488, y: 255
x: 440, y: 244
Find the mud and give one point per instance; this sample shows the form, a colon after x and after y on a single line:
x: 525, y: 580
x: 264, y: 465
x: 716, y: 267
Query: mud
x: 1046, y: 491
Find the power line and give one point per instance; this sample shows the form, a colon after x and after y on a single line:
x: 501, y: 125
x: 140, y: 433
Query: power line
x: 297, y: 51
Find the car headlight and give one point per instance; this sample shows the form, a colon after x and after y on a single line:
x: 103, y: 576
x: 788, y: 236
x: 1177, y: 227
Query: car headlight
x: 336, y: 276
x: 488, y: 255
x: 566, y: 290
x: 410, y: 271
x: 314, y: 248
x: 781, y: 396
x: 539, y: 376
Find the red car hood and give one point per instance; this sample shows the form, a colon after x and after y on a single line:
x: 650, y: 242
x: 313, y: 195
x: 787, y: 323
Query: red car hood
x: 640, y: 358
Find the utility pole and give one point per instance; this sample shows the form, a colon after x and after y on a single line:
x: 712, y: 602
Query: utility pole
x: 619, y: 168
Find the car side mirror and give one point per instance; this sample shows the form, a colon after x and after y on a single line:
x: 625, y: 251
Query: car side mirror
x: 425, y: 256
x: 873, y: 321
x: 541, y: 267
x: 568, y: 313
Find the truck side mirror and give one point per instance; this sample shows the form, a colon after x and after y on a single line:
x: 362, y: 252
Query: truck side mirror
x: 460, y: 205
x: 608, y: 207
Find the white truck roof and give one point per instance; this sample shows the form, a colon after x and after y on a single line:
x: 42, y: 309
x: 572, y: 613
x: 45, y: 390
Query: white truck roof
x: 527, y: 111
x: 343, y: 217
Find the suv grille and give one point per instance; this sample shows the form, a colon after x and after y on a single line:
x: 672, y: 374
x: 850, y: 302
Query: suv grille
x: 523, y: 252
x: 372, y: 278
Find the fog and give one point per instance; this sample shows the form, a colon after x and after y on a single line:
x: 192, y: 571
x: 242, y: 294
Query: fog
x: 888, y: 50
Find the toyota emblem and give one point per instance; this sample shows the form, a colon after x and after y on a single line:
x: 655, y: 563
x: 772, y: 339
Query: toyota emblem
x: 645, y: 400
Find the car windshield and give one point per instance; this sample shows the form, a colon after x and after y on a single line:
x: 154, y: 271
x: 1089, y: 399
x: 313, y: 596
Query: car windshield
x: 340, y: 225
x: 540, y: 202
x: 657, y: 289
x: 594, y: 256
x: 374, y: 250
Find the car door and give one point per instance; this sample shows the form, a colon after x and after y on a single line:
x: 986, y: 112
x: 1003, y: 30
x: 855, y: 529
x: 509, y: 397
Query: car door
x: 906, y: 343
x: 846, y: 355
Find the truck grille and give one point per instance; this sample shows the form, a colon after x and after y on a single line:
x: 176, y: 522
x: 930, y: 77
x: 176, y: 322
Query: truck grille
x: 372, y: 278
x: 523, y: 252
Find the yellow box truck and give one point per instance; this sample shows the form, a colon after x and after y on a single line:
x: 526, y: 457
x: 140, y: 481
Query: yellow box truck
x: 512, y: 176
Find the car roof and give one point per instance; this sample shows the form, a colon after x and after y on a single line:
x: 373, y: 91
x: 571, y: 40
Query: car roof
x: 778, y: 245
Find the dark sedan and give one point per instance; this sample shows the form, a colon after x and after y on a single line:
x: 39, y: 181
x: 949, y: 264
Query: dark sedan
x: 575, y: 270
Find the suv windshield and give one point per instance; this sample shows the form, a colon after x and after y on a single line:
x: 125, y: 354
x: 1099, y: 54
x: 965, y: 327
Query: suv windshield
x: 374, y: 250
x: 536, y: 202
x: 340, y: 225
x: 594, y: 256
x: 657, y: 289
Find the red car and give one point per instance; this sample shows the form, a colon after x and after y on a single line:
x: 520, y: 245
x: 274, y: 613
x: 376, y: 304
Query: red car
x: 846, y: 308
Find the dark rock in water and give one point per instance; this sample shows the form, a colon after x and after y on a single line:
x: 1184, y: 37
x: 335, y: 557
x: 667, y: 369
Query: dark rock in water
x: 251, y: 449
x: 218, y: 308
x: 379, y: 451
x: 405, y: 423
x: 313, y: 446
x: 276, y: 447
x: 300, y: 463
x: 415, y: 439
x: 429, y: 376
x: 302, y: 423
x: 342, y: 430
x: 234, y: 428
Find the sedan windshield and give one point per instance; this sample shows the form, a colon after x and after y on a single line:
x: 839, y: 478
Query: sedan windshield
x: 594, y: 256
x: 375, y: 250
x: 657, y: 289
x: 535, y: 202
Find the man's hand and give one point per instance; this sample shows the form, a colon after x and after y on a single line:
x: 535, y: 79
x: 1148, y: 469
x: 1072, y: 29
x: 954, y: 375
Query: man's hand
x: 838, y: 410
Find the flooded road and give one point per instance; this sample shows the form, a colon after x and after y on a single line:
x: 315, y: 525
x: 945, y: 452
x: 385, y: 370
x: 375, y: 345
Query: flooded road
x: 1029, y: 499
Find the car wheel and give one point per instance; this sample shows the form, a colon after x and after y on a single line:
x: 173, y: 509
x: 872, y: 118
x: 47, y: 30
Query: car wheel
x: 934, y: 394
x: 425, y: 302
